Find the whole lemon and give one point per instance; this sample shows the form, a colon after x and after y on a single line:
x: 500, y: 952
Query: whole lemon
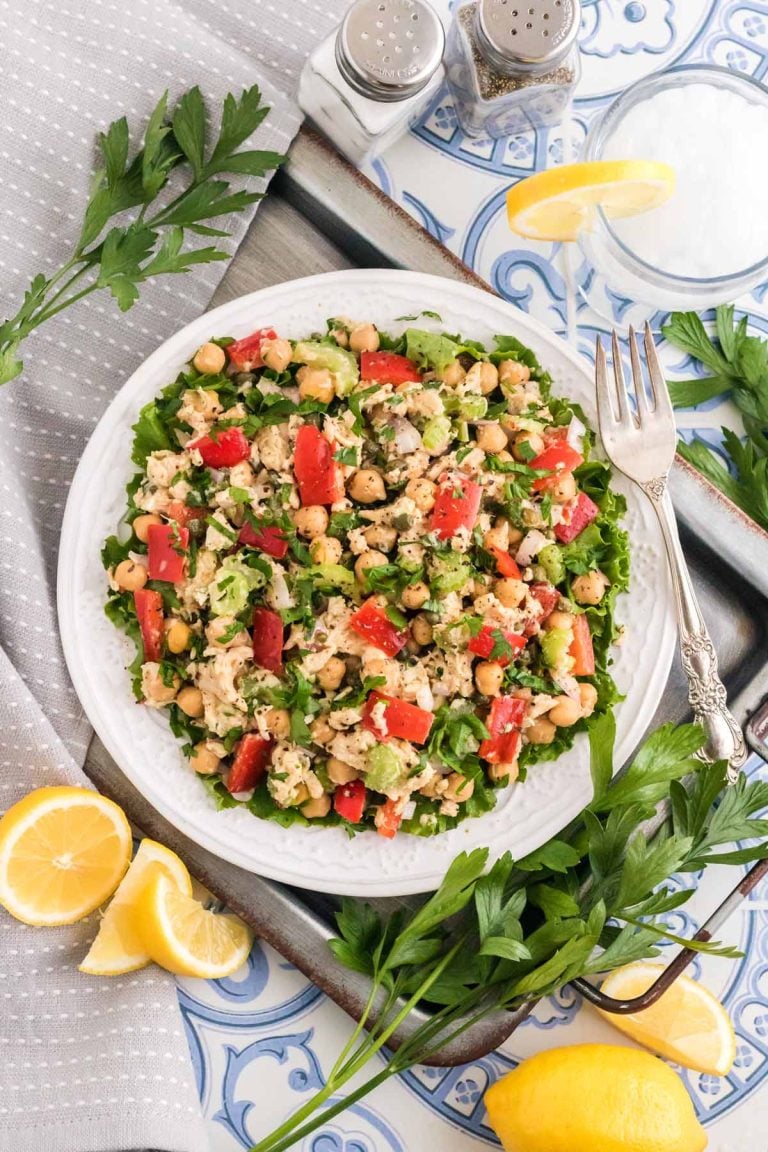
x: 593, y: 1098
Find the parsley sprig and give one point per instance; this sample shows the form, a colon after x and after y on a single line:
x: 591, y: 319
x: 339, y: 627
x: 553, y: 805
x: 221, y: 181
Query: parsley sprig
x: 582, y: 904
x: 738, y: 366
x: 122, y: 257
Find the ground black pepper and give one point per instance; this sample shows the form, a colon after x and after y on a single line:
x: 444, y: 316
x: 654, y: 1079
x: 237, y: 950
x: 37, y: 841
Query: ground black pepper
x: 491, y: 83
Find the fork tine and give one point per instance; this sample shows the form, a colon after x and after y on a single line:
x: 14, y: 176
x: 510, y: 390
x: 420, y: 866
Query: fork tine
x: 621, y: 384
x: 658, y: 383
x: 605, y: 416
x: 637, y: 379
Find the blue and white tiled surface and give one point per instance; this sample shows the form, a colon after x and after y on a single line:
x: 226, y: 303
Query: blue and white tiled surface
x: 261, y: 1042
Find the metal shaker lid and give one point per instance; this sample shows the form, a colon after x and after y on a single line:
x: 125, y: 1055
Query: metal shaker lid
x: 389, y: 49
x: 529, y: 36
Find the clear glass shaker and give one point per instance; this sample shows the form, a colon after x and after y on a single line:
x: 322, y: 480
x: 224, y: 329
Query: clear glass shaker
x: 512, y: 64
x: 365, y: 83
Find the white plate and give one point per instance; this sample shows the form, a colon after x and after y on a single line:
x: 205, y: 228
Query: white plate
x: 325, y: 859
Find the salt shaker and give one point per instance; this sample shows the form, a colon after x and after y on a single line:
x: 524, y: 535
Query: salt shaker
x: 365, y: 83
x: 512, y: 64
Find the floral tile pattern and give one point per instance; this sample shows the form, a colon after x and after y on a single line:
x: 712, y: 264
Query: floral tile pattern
x: 262, y: 1040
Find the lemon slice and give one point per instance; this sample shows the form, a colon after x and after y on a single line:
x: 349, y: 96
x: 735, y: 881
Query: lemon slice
x: 181, y: 935
x: 687, y: 1023
x: 118, y: 948
x: 561, y: 202
x: 63, y: 851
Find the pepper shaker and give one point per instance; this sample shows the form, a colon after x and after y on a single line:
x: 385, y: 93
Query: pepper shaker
x: 369, y: 79
x: 512, y: 65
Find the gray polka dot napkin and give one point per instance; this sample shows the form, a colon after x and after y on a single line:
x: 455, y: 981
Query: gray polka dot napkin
x: 86, y: 1064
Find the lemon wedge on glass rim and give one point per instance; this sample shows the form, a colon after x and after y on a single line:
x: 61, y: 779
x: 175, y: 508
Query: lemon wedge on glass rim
x: 561, y: 202
x: 687, y: 1024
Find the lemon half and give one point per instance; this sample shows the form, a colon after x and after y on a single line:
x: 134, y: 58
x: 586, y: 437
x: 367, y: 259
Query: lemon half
x: 561, y: 202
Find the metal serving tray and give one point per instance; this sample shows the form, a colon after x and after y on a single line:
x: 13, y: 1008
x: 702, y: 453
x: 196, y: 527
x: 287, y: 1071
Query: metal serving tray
x: 321, y: 215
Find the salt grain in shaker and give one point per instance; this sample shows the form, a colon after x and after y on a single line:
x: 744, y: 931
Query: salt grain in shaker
x: 512, y: 64
x: 368, y: 80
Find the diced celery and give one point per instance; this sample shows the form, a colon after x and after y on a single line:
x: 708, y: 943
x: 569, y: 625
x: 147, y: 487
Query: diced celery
x: 228, y: 593
x: 551, y: 560
x: 554, y: 648
x: 436, y: 435
x: 332, y: 576
x: 385, y: 768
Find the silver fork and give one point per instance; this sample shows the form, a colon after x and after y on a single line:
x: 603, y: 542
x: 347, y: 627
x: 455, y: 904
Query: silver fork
x: 642, y: 446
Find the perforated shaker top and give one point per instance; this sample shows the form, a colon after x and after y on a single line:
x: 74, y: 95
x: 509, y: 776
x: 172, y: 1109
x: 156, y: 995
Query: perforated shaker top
x: 527, y: 35
x: 389, y: 49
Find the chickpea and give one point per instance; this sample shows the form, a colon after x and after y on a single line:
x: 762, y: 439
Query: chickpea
x: 488, y: 677
x: 453, y: 374
x: 130, y: 576
x: 415, y: 595
x: 542, y: 731
x: 510, y: 592
x: 220, y: 633
x: 564, y: 490
x: 331, y: 674
x: 325, y: 550
x: 589, y: 588
x: 491, y: 438
x: 154, y: 687
x: 315, y: 384
x: 482, y: 377
x: 369, y: 559
x: 276, y: 354
x: 340, y: 336
x: 311, y: 521
x: 564, y: 712
x: 558, y: 620
x: 513, y: 372
x: 587, y: 698
x: 504, y: 456
x: 366, y: 486
x: 278, y: 723
x: 299, y: 797
x: 504, y: 771
x: 459, y: 789
x: 380, y: 536
x: 527, y: 445
x: 313, y: 809
x: 190, y: 700
x: 204, y: 759
x: 142, y: 525
x: 209, y: 359
x: 339, y: 772
x: 498, y: 536
x: 515, y: 536
x: 321, y: 731
x: 364, y: 338
x: 203, y: 401
x: 177, y: 636
x: 421, y: 631
x: 422, y: 492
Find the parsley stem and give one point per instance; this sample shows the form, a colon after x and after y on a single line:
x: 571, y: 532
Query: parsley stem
x: 49, y: 308
x: 49, y: 312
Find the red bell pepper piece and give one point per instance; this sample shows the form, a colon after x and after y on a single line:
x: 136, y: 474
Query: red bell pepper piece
x: 403, y: 721
x: 166, y: 551
x: 387, y: 819
x: 506, y: 565
x: 349, y: 801
x: 485, y: 641
x: 576, y: 518
x: 559, y: 458
x: 149, y: 610
x: 372, y: 624
x: 245, y: 354
x: 224, y: 448
x: 269, y: 539
x: 268, y: 640
x: 318, y: 475
x: 456, y: 506
x: 503, y: 724
x: 581, y: 648
x: 388, y: 368
x: 250, y: 763
x: 183, y: 514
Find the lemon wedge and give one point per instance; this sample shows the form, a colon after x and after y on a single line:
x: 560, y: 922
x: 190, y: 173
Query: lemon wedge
x: 181, y: 935
x: 118, y: 948
x: 63, y: 851
x: 687, y: 1023
x: 561, y: 202
x: 593, y: 1098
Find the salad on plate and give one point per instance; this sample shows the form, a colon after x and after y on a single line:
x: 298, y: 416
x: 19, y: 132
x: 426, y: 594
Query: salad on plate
x: 371, y: 578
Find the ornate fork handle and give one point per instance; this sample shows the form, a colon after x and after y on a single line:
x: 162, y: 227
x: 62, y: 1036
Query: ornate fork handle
x: 706, y: 691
